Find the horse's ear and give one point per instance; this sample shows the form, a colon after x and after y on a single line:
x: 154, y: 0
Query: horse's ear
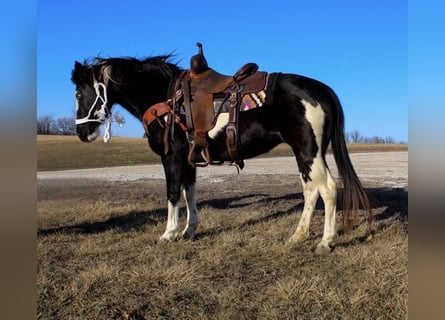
x: 76, y: 74
x: 78, y: 66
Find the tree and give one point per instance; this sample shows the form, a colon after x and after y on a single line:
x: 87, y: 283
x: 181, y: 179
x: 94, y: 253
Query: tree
x: 66, y: 126
x: 46, y: 125
x: 389, y: 140
x: 356, y: 137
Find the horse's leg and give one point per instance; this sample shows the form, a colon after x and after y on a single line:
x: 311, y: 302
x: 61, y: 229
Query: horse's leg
x: 321, y: 183
x: 316, y: 177
x: 310, y: 192
x: 192, y: 214
x: 171, y: 231
x: 328, y: 192
x: 173, y: 180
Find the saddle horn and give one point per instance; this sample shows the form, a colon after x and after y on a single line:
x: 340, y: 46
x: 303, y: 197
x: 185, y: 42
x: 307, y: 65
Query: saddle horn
x: 198, y: 63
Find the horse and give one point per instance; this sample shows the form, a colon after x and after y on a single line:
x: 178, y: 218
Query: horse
x: 303, y: 112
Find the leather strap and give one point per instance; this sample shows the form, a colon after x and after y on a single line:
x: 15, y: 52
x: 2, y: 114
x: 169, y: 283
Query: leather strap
x: 232, y: 127
x: 185, y: 84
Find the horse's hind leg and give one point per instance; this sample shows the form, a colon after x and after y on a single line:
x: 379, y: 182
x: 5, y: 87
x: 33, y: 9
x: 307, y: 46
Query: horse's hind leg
x: 328, y: 192
x: 310, y: 192
x: 320, y: 182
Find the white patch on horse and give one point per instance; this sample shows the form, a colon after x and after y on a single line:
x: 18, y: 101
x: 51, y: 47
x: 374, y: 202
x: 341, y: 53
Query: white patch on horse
x: 171, y: 231
x: 315, y: 116
x: 192, y: 216
x: 77, y: 101
x: 92, y: 136
x: 106, y: 72
x: 221, y: 122
x: 321, y: 183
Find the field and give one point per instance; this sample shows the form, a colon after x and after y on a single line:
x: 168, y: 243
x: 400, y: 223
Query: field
x: 99, y: 256
x: 66, y: 152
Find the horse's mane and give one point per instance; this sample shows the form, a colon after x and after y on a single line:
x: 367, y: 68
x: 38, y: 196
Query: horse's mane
x: 160, y: 60
x: 121, y: 65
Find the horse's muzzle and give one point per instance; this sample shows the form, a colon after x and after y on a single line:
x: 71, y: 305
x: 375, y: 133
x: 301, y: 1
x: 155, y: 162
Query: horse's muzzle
x: 86, y: 133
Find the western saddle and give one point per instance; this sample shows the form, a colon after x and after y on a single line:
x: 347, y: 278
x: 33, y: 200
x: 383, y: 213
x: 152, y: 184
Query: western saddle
x: 195, y: 90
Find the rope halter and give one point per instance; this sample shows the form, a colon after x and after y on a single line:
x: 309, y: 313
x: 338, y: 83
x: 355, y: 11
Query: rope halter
x: 102, y: 115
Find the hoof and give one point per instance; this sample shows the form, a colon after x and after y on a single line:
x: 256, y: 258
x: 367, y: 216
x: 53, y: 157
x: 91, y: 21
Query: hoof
x: 164, y: 240
x: 298, y: 237
x: 168, y: 237
x: 322, y: 249
x: 188, y: 235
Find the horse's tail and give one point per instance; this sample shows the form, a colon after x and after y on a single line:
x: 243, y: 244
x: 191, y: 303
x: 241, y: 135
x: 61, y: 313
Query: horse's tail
x: 354, y: 195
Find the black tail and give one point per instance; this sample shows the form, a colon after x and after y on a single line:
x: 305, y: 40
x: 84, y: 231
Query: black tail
x: 354, y: 195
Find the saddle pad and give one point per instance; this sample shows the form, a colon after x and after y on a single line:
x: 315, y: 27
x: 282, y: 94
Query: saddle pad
x: 249, y: 101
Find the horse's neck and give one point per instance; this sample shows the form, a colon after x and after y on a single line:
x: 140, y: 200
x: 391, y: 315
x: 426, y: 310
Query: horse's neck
x: 138, y: 98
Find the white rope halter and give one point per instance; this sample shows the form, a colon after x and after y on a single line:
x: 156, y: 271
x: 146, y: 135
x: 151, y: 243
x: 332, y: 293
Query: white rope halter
x: 100, y: 115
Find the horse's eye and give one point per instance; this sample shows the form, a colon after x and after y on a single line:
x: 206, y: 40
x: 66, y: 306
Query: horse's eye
x: 77, y: 94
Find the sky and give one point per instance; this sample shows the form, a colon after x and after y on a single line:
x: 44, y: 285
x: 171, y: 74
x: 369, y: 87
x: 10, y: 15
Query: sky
x: 358, y: 48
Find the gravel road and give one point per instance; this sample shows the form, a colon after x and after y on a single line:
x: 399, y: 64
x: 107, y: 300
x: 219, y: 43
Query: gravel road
x: 374, y: 168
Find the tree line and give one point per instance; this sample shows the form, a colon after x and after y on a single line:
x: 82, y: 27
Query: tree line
x: 356, y: 137
x: 47, y: 125
x: 66, y: 126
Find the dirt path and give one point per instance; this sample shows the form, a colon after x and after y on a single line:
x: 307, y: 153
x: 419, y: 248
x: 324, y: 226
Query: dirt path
x: 379, y: 168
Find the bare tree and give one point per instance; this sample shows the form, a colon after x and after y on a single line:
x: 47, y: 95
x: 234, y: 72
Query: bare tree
x: 46, y: 125
x: 374, y: 139
x: 66, y: 126
x: 356, y: 137
x: 389, y: 140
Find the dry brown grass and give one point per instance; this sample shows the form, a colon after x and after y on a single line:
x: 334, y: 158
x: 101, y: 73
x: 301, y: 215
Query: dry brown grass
x: 67, y: 152
x: 99, y: 256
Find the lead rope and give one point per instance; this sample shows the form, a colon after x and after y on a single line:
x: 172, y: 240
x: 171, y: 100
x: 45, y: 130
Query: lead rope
x: 107, y: 133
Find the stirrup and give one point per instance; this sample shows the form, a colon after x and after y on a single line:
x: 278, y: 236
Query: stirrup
x: 204, y: 154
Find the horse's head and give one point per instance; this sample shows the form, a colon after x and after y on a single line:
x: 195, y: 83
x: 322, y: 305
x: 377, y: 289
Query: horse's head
x: 92, y: 107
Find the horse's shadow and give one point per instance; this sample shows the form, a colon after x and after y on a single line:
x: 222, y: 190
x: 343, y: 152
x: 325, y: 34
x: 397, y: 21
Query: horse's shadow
x: 133, y: 221
x: 392, y: 202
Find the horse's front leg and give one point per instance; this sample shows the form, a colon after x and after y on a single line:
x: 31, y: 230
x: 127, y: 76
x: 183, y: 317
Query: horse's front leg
x: 179, y: 174
x: 192, y: 215
x: 173, y: 181
x: 172, y: 229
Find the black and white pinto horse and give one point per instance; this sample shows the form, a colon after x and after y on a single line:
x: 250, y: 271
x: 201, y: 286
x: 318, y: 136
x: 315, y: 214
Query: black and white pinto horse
x: 305, y: 113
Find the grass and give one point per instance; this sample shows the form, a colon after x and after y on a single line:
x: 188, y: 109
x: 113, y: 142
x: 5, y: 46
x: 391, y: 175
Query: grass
x: 67, y: 152
x: 98, y: 255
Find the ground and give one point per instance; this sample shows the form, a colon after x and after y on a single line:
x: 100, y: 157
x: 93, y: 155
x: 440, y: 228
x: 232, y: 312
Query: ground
x: 99, y: 255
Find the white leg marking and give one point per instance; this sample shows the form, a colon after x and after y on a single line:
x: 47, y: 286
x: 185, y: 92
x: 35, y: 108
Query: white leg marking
x: 192, y: 215
x: 310, y: 192
x: 327, y: 187
x: 321, y: 183
x: 172, y: 229
x: 221, y: 122
x: 328, y: 192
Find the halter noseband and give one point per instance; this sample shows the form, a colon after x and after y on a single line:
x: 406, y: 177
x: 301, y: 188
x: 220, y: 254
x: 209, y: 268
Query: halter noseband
x: 100, y: 115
